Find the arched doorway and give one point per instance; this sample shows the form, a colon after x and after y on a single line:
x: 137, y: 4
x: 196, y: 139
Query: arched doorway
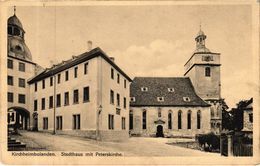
x: 18, y: 118
x: 159, y: 132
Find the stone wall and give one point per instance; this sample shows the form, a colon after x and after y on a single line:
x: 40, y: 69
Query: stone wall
x: 111, y: 135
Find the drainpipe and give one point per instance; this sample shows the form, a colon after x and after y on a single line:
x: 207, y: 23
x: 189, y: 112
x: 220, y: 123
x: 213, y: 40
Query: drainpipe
x: 54, y: 104
x: 99, y: 96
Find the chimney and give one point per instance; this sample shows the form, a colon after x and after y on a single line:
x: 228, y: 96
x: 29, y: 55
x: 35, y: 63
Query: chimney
x: 89, y: 45
x: 112, y: 59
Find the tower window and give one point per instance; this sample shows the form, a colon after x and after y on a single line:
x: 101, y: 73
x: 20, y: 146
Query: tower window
x: 21, y: 66
x: 18, y: 48
x: 10, y: 30
x: 16, y: 31
x: 159, y: 113
x: 10, y: 64
x: 207, y: 71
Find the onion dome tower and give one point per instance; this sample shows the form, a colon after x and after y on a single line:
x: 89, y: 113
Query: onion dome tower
x: 16, y: 44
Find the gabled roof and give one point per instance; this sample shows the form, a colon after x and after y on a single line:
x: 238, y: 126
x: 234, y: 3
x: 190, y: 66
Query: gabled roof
x: 158, y: 87
x: 64, y: 65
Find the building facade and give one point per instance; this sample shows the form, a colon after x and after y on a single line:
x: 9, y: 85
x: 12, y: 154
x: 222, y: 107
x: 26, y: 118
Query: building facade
x: 74, y: 97
x: 164, y: 106
x: 20, y: 68
x: 87, y: 95
x: 203, y: 68
x: 168, y: 107
x: 248, y: 116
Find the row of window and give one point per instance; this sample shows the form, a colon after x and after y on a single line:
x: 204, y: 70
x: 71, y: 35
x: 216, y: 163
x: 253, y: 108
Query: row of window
x: 21, y: 98
x: 118, y: 77
x: 15, y: 31
x: 145, y: 89
x: 59, y: 122
x: 144, y: 120
x: 66, y: 78
x: 21, y: 81
x: 76, y: 122
x: 66, y: 99
x: 111, y: 122
x: 10, y: 65
x: 112, y: 100
x: 161, y: 99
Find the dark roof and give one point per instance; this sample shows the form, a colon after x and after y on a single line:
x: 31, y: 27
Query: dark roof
x: 13, y: 20
x: 75, y: 61
x: 158, y: 87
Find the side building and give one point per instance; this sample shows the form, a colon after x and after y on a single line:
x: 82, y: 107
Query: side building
x: 20, y: 68
x: 167, y: 107
x: 87, y: 96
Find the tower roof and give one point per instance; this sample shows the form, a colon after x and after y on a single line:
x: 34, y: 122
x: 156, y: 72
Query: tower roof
x: 200, y: 33
x: 13, y: 20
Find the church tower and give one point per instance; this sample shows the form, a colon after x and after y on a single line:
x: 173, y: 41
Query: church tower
x: 203, y: 68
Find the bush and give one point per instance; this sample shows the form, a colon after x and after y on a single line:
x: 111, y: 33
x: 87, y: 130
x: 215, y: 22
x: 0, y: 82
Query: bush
x: 210, y: 141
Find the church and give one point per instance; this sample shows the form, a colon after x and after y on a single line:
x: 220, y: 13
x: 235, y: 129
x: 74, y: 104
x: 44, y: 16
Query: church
x: 179, y: 106
x: 89, y: 95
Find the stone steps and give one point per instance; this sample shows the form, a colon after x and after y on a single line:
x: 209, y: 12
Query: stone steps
x: 15, y: 145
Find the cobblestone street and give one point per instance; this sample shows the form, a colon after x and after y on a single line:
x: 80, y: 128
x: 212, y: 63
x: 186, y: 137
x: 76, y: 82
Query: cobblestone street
x: 135, y: 146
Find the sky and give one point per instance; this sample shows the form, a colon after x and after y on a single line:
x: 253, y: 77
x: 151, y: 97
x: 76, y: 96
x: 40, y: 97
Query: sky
x: 154, y: 40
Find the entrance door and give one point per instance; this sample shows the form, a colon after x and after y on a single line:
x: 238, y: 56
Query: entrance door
x: 159, y: 132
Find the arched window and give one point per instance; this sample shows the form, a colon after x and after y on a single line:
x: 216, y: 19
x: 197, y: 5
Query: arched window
x: 144, y: 119
x: 131, y: 120
x: 212, y: 111
x: 179, y: 119
x: 10, y: 31
x: 198, y: 119
x: 169, y: 120
x: 159, y: 112
x: 189, y: 120
x: 16, y: 31
x: 207, y: 71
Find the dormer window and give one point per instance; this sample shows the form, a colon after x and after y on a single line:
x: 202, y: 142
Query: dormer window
x: 160, y: 99
x: 144, y: 89
x: 170, y: 89
x: 186, y: 99
x: 132, y: 99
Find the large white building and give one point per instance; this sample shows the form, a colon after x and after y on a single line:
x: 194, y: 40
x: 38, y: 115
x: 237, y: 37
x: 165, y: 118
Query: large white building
x: 87, y: 95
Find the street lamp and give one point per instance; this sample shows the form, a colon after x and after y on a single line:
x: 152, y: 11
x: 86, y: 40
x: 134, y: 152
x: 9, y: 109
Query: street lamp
x: 98, y: 113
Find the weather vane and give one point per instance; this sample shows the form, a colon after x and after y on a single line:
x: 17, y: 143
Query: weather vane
x: 14, y: 10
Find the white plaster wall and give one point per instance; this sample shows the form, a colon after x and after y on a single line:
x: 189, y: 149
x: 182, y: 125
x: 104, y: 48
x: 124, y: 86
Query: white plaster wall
x: 86, y: 110
x: 108, y: 108
x: 152, y: 115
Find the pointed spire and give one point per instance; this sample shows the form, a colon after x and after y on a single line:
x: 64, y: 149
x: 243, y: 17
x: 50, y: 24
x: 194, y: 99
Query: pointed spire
x: 14, y: 10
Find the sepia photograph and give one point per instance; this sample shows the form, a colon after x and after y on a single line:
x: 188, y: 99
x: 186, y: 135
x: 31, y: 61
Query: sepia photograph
x: 132, y: 79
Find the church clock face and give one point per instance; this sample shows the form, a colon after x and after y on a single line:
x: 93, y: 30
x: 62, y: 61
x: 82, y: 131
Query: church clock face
x: 207, y: 58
